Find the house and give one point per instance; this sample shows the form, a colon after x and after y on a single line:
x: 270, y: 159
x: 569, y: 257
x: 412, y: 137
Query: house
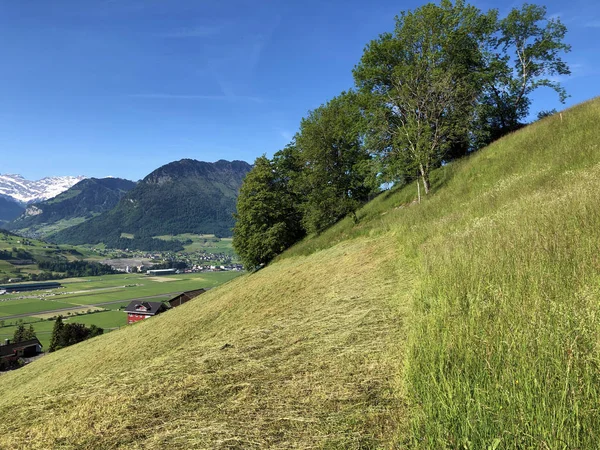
x: 11, y: 352
x: 137, y: 310
x: 185, y: 297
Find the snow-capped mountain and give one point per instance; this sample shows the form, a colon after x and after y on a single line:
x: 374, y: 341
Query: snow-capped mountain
x: 27, y: 191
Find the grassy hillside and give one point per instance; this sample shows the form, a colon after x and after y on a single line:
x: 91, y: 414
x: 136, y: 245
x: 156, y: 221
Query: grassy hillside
x: 470, y: 320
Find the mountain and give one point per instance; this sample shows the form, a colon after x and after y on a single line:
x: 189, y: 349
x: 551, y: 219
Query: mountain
x: 469, y: 320
x: 27, y: 191
x: 82, y: 201
x: 186, y: 196
x: 9, y: 209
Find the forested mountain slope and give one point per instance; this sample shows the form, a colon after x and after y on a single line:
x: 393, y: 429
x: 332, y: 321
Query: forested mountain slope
x: 9, y: 209
x: 186, y: 196
x: 470, y: 320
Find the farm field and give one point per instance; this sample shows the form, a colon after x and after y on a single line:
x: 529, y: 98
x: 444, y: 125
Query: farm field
x: 110, y: 293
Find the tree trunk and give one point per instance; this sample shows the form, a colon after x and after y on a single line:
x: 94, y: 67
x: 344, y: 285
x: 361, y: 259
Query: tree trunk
x: 425, y: 178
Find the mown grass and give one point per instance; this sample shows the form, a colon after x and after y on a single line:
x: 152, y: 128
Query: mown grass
x: 294, y: 356
x: 471, y: 320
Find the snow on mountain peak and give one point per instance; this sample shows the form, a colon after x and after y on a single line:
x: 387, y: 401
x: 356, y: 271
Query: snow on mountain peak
x: 28, y: 191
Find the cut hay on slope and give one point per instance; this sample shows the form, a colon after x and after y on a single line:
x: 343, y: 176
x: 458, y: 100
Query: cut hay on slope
x: 303, y: 354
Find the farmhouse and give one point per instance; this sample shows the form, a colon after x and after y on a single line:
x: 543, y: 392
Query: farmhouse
x: 137, y: 310
x: 29, y: 286
x: 185, y: 297
x: 11, y: 352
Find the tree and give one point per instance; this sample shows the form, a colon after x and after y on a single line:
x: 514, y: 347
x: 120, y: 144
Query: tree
x: 55, y: 339
x: 535, y: 43
x: 424, y: 81
x: 64, y: 335
x: 267, y: 220
x: 19, y: 335
x: 334, y: 163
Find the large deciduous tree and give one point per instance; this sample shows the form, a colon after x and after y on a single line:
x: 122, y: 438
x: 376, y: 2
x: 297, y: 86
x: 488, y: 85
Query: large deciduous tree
x: 267, y: 219
x: 525, y: 53
x: 334, y: 177
x: 424, y: 79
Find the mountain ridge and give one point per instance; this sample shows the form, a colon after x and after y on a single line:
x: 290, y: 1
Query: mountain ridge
x: 29, y: 191
x: 185, y: 196
x: 88, y: 197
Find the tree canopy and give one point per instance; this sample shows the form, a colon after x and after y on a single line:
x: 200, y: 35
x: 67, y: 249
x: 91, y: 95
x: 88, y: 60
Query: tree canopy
x: 446, y: 81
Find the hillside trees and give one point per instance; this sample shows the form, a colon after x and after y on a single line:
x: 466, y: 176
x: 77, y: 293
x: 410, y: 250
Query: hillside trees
x: 534, y: 43
x: 334, y: 163
x: 64, y: 335
x: 438, y: 87
x: 424, y: 80
x: 315, y: 181
x: 268, y: 220
x: 443, y: 83
x: 23, y: 334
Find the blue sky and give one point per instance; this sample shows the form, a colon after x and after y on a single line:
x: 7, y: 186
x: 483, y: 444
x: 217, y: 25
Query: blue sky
x: 121, y: 87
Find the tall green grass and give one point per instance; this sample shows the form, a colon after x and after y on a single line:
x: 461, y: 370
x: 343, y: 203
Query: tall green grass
x: 504, y: 347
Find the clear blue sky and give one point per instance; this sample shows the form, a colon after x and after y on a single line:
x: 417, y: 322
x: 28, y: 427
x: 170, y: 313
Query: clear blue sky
x: 120, y: 87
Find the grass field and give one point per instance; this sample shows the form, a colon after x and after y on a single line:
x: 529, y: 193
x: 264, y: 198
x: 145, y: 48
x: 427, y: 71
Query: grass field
x: 88, y: 291
x: 469, y: 321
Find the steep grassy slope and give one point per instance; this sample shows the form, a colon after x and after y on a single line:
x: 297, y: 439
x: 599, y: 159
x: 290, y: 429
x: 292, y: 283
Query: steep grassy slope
x: 468, y: 321
x: 296, y: 355
x: 504, y: 344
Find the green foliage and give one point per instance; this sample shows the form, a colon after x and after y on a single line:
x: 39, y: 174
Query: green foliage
x: 423, y: 80
x: 56, y: 334
x: 64, y: 335
x: 76, y: 268
x: 523, y: 54
x: 308, y: 186
x: 267, y: 219
x: 333, y: 163
x: 442, y: 84
x: 23, y: 334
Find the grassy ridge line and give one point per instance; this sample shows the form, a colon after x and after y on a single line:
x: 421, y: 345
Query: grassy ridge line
x: 313, y: 358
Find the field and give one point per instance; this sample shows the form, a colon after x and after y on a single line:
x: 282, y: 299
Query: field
x: 107, y: 294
